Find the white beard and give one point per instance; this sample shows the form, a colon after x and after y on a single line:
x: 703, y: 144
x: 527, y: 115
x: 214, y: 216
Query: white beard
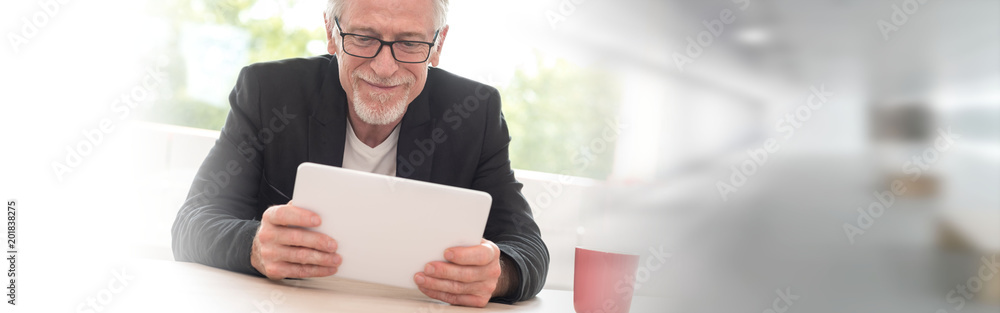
x: 376, y: 108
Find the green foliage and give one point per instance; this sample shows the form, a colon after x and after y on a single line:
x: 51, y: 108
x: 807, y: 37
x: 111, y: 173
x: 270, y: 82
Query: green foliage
x: 556, y: 116
x: 188, y: 112
x: 269, y: 40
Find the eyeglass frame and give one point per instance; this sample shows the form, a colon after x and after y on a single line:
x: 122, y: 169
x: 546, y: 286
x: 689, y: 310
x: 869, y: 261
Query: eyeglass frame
x: 383, y: 43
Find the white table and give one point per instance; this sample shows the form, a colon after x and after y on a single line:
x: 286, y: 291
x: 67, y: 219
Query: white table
x: 167, y: 286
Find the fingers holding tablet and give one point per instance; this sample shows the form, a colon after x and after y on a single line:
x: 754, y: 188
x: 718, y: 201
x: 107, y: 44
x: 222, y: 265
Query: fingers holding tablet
x: 469, y: 277
x: 283, y: 249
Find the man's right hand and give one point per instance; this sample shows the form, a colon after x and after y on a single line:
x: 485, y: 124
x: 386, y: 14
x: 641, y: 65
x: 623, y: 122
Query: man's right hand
x: 282, y: 248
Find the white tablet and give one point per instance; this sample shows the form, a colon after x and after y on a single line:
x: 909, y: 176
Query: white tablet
x: 387, y: 228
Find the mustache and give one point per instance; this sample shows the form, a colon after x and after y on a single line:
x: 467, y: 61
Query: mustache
x: 390, y: 81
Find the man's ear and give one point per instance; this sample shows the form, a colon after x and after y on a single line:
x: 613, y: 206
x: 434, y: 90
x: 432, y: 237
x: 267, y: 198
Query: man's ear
x: 331, y: 43
x: 436, y: 54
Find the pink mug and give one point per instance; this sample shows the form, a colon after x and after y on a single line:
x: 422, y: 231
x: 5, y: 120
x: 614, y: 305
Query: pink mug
x: 603, y: 281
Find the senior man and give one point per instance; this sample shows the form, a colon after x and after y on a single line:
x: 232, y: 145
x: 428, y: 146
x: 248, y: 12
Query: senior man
x: 374, y: 105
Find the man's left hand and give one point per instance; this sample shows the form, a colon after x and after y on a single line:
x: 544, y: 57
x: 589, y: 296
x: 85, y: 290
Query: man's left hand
x: 469, y: 277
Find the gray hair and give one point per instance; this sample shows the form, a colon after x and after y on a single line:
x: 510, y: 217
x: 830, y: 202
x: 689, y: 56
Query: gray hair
x: 334, y: 8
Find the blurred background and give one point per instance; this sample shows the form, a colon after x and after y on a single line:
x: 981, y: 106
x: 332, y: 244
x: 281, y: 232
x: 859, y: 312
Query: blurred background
x: 848, y: 151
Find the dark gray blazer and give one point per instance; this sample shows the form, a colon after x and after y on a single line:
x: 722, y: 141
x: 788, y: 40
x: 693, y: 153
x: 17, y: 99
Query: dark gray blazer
x: 292, y: 111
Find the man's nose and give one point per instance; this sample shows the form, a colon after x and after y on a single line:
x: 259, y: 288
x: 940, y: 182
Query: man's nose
x: 384, y: 64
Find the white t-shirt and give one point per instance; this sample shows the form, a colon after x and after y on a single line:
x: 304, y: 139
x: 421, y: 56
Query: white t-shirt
x: 379, y: 160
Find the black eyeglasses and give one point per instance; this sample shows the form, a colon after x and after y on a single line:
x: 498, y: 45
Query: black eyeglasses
x: 405, y: 51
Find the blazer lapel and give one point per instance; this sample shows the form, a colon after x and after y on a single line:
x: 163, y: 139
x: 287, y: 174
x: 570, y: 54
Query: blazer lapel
x: 411, y: 161
x: 328, y: 123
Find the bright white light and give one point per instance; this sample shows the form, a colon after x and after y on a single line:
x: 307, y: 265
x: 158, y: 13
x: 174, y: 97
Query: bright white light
x: 316, y: 47
x: 754, y: 36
